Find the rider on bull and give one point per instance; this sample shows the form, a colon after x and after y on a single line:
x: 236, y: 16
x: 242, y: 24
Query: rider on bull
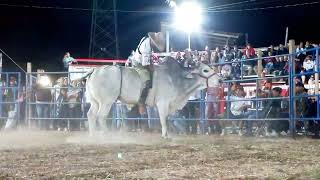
x: 142, y: 56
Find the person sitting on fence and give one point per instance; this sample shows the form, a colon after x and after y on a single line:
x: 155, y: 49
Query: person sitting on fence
x: 67, y: 60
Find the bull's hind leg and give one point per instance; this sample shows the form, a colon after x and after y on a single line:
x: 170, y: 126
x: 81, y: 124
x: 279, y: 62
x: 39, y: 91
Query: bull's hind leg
x: 103, y: 112
x: 92, y: 117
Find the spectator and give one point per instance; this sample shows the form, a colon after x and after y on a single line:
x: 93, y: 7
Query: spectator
x: 74, y: 109
x: 249, y: 53
x: 196, y: 56
x: 300, y: 55
x: 62, y: 110
x: 238, y: 108
x: 216, y: 57
x: 178, y: 57
x: 207, y: 55
x: 227, y: 54
x: 308, y: 66
x: 187, y: 59
x: 272, y: 109
x: 236, y: 65
x: 11, y: 95
x: 67, y: 60
x: 22, y: 103
x: 301, y: 101
x: 219, y: 54
x: 308, y: 46
x: 269, y: 63
x: 272, y: 51
x: 279, y: 66
x: 282, y: 50
x: 193, y: 107
x: 43, y: 99
x: 212, y: 108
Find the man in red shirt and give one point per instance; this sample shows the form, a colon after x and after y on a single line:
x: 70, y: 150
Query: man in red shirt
x: 249, y: 53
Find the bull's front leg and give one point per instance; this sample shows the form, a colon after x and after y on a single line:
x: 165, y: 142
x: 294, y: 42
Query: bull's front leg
x: 163, y: 109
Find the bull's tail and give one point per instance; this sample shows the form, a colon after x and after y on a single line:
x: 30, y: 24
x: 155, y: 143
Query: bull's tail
x: 85, y: 76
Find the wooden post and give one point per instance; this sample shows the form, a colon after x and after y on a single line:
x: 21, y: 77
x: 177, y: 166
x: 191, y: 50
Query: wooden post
x: 292, y: 46
x: 28, y: 95
x: 260, y: 67
x: 286, y: 38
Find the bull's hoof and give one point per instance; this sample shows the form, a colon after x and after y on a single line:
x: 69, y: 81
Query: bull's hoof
x: 166, y: 138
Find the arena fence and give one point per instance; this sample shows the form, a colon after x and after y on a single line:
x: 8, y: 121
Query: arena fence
x: 11, y: 104
x: 194, y: 114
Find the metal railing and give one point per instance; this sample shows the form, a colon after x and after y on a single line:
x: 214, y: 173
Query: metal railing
x: 202, y: 116
x: 10, y: 94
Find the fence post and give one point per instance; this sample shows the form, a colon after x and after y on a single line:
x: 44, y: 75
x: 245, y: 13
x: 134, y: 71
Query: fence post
x: 316, y: 92
x: 292, y: 109
x: 260, y: 67
x: 203, y: 112
x: 28, y: 110
x: 1, y: 84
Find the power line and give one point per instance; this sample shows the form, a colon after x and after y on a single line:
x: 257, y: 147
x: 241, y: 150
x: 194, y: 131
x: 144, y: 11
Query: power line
x: 83, y: 9
x: 12, y: 60
x: 164, y: 12
x: 243, y: 3
x: 227, y: 5
x: 264, y: 8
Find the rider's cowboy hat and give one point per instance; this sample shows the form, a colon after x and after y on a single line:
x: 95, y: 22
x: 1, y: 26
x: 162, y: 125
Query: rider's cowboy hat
x: 158, y: 40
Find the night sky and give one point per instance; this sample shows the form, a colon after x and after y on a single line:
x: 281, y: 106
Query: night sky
x: 42, y: 36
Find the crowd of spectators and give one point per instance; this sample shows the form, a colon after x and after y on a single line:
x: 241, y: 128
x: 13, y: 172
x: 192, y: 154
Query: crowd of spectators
x: 234, y: 63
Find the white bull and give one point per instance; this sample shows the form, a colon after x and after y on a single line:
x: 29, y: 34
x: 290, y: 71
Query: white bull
x: 172, y: 86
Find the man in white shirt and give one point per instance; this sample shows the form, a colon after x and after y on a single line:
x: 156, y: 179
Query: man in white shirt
x: 308, y: 64
x: 239, y: 104
x: 238, y: 108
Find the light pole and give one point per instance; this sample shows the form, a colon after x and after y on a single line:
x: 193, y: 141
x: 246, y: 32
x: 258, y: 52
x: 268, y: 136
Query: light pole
x: 188, y: 18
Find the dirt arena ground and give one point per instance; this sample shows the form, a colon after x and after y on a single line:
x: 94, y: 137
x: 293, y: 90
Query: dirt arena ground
x: 60, y: 155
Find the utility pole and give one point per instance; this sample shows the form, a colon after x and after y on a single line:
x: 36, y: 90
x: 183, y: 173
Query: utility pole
x: 104, y: 30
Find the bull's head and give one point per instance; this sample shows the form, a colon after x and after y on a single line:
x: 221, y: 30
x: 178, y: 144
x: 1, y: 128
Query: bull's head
x: 206, y: 72
x: 202, y: 70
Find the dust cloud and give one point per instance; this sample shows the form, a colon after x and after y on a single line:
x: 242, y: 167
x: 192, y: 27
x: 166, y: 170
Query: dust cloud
x: 23, y: 138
